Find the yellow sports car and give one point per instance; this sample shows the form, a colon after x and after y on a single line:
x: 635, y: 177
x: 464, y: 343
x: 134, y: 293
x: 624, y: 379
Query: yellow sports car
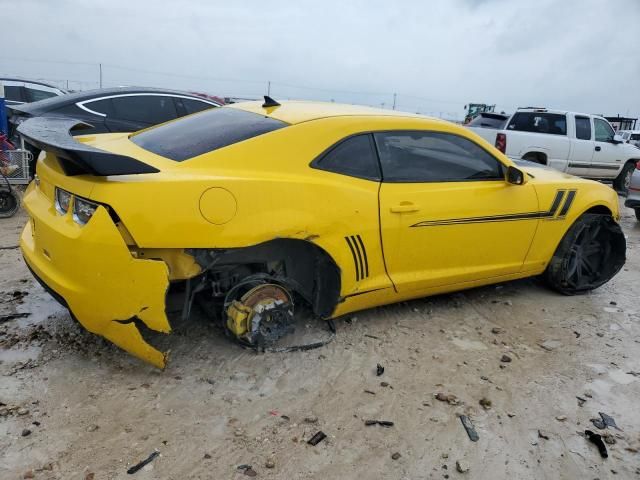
x: 266, y: 208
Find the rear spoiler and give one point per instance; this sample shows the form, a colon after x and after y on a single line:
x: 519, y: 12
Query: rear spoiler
x: 53, y: 135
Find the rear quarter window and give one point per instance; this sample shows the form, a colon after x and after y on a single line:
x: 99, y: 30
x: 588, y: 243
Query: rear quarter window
x: 204, y: 132
x: 539, y: 122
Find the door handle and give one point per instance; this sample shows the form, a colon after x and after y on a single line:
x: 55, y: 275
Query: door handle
x: 404, y: 207
x: 598, y: 148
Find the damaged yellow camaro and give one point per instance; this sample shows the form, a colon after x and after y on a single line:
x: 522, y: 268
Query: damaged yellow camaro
x: 266, y: 208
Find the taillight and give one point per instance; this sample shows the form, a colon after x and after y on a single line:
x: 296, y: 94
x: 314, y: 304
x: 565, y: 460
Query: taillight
x: 501, y: 142
x: 638, y: 166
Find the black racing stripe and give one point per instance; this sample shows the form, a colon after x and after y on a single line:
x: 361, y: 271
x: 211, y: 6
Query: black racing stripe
x: 355, y: 244
x: 355, y: 261
x: 567, y: 203
x: 494, y: 218
x: 556, y: 202
x: 364, y: 253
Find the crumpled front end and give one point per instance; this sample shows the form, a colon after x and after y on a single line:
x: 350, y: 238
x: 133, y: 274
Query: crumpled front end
x: 91, y: 268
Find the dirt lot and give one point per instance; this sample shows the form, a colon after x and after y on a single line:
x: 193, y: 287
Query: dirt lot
x: 93, y: 411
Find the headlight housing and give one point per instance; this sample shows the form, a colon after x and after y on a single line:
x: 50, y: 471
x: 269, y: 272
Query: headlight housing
x: 63, y: 200
x: 83, y: 210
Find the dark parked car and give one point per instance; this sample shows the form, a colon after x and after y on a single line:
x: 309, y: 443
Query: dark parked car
x: 18, y: 91
x: 489, y: 120
x: 123, y: 109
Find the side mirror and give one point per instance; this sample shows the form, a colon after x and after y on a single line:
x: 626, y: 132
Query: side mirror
x: 617, y: 139
x: 516, y: 176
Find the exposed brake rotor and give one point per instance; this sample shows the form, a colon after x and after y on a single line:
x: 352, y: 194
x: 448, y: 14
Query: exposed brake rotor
x: 262, y: 315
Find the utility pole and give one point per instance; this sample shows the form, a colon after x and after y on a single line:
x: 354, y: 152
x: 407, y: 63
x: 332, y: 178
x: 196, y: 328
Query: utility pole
x: 394, y: 102
x: 100, y: 74
x: 268, y: 88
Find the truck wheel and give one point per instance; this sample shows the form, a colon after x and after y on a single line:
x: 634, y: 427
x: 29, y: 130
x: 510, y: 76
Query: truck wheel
x: 9, y: 203
x: 535, y: 158
x: 622, y: 182
x: 590, y: 254
x: 638, y: 214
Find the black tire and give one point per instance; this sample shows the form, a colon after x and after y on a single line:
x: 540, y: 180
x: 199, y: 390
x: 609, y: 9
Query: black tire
x: 590, y: 254
x: 534, y: 157
x: 623, y: 180
x: 638, y: 214
x: 9, y: 203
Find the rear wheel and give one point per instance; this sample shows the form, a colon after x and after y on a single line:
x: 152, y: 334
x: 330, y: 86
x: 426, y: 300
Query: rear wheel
x: 590, y: 254
x: 9, y: 203
x: 638, y: 214
x: 622, y: 181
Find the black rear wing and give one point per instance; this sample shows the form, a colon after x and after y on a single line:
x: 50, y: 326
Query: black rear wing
x: 53, y: 135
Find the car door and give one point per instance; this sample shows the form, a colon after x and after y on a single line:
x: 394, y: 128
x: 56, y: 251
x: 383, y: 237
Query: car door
x: 606, y: 160
x: 134, y: 112
x: 582, y: 148
x: 447, y: 214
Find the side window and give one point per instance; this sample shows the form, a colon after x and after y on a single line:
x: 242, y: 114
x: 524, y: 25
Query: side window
x: 539, y: 122
x: 100, y: 106
x: 583, y: 128
x: 604, y: 132
x: 194, y: 106
x: 34, y: 94
x: 354, y: 157
x: 150, y: 109
x: 13, y: 93
x: 434, y: 157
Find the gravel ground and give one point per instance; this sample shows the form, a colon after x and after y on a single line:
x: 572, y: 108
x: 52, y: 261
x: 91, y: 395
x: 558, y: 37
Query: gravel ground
x: 73, y: 406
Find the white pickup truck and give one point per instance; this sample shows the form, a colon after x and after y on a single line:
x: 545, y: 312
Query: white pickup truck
x: 576, y: 143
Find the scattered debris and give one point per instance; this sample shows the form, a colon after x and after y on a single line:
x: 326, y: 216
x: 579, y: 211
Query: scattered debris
x: 396, y: 456
x: 576, y: 333
x: 371, y: 392
x: 468, y: 426
x: 311, y: 419
x: 561, y: 418
x: 635, y: 374
x: 144, y: 462
x: 450, y: 398
x: 207, y: 456
x: 26, y: 432
x: 384, y: 384
x: 543, y: 435
x: 597, y: 441
x: 497, y: 330
x: 371, y: 336
x: 13, y: 316
x: 462, y: 466
x: 379, y: 370
x: 22, y: 411
x: 511, y: 414
x: 485, y: 403
x: 604, y: 421
x: 317, y: 438
x: 550, y: 345
x: 581, y: 401
x: 609, y: 439
x: 505, y: 358
x: 270, y: 463
x: 250, y: 472
x: 382, y: 423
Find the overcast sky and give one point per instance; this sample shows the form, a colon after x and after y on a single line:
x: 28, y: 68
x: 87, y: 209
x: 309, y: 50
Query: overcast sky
x: 437, y: 56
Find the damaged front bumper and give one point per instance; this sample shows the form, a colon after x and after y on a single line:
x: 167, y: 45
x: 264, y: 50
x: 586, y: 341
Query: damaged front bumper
x: 91, y: 268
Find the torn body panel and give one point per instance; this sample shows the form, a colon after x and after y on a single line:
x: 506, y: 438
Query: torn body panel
x: 103, y: 285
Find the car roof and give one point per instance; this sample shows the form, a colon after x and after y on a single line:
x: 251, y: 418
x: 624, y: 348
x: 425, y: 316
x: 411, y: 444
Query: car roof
x: 294, y: 111
x: 43, y: 106
x: 34, y: 82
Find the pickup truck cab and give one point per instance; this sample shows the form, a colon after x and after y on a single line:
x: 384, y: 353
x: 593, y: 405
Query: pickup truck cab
x: 576, y: 143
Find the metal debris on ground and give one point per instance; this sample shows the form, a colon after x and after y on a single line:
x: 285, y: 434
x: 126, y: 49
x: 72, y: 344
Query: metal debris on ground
x: 604, y: 421
x: 317, y: 438
x: 468, y: 426
x: 382, y: 423
x: 597, y: 440
x: 143, y: 463
x: 379, y: 370
x: 13, y: 316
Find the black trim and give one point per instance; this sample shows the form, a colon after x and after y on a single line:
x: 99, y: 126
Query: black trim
x: 76, y: 158
x: 591, y: 165
x: 364, y: 253
x: 316, y: 162
x: 359, y: 253
x: 355, y: 261
x: 549, y: 214
x: 59, y: 298
x: 567, y: 204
